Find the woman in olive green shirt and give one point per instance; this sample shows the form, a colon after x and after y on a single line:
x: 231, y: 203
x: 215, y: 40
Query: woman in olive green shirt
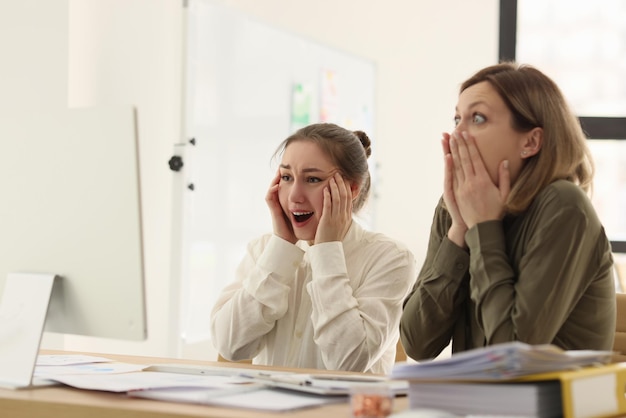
x: 516, y: 250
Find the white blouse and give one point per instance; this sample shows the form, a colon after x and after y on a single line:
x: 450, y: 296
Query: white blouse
x: 334, y: 306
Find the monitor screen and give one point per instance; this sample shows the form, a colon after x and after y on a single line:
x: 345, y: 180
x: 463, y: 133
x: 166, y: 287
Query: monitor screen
x: 69, y: 180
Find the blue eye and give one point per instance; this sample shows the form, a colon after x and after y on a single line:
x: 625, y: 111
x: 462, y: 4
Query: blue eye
x: 478, y: 118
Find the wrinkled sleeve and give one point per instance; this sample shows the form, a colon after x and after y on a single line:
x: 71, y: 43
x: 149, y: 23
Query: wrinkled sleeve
x: 355, y: 319
x: 435, y: 304
x: 551, y: 278
x: 248, y: 308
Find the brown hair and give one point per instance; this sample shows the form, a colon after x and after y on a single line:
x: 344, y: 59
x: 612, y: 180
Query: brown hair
x: 348, y: 150
x: 536, y: 101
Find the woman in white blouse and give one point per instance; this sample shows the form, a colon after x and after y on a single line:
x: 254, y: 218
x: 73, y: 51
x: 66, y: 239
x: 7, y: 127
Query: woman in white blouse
x: 320, y: 291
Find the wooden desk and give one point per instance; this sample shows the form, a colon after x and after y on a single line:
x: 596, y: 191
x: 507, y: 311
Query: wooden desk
x: 67, y: 402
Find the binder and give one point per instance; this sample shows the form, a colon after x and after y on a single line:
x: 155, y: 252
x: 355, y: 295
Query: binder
x: 591, y: 391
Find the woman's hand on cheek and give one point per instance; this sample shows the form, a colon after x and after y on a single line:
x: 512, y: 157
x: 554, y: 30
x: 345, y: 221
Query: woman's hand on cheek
x: 478, y: 198
x: 337, y: 211
x: 281, y: 224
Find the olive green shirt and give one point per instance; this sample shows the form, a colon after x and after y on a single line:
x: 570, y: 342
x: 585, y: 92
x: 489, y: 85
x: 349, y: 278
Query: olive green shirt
x: 545, y: 276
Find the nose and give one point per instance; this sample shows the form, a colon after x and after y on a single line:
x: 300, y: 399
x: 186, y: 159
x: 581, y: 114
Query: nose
x: 460, y: 127
x: 296, y: 194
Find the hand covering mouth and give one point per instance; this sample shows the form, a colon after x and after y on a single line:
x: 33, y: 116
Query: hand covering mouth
x: 301, y: 216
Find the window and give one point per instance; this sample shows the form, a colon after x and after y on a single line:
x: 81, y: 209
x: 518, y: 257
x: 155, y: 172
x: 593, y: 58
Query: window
x: 581, y: 45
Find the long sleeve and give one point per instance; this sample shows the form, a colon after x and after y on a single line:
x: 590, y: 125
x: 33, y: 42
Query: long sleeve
x: 248, y: 308
x: 544, y: 276
x: 334, y: 305
x: 566, y: 264
x: 435, y: 305
x: 357, y: 301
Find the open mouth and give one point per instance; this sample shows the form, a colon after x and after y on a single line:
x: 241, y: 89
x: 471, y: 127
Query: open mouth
x: 302, y: 216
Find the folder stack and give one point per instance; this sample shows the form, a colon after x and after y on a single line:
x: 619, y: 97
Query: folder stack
x: 515, y: 379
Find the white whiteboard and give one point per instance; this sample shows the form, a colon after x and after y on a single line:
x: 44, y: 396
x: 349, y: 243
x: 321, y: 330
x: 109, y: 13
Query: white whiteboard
x: 239, y: 105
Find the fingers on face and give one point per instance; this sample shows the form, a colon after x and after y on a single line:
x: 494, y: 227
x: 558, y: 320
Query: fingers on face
x: 465, y: 155
x: 272, y: 194
x: 335, y: 183
x: 504, y: 180
x: 445, y: 143
x: 474, y: 156
x: 327, y: 200
x: 271, y: 197
x: 448, y: 172
x: 340, y: 192
x: 456, y: 159
x: 276, y: 179
x: 274, y: 184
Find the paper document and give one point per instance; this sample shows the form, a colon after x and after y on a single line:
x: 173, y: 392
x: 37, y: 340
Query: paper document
x: 206, y: 370
x: 68, y: 359
x: 48, y: 366
x: 330, y: 385
x: 89, y: 368
x: 124, y: 382
x: 267, y: 399
x: 335, y: 384
x: 500, y: 361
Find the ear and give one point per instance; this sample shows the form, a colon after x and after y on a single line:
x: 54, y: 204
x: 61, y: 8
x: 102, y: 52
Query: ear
x: 355, y: 189
x: 532, y: 143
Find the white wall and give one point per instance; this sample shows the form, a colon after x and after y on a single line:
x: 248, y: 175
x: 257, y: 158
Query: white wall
x: 33, y: 53
x: 129, y: 51
x: 423, y: 50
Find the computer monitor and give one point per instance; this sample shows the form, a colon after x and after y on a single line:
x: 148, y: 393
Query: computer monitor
x: 71, y: 207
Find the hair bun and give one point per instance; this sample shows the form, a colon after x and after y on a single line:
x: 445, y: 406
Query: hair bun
x: 365, y: 141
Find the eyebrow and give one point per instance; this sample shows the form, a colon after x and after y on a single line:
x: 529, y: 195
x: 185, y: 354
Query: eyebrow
x: 306, y: 170
x: 473, y: 104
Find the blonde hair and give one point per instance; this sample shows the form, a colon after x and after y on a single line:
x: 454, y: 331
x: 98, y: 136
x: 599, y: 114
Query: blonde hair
x: 536, y: 101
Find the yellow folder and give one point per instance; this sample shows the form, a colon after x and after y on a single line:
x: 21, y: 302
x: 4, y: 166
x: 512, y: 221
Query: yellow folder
x: 595, y: 391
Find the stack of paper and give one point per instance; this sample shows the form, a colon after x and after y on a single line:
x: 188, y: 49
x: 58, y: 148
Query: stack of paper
x: 519, y: 379
x: 500, y: 361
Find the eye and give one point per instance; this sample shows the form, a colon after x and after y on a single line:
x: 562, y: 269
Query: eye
x: 313, y: 179
x: 285, y: 177
x: 457, y: 120
x: 477, y: 118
